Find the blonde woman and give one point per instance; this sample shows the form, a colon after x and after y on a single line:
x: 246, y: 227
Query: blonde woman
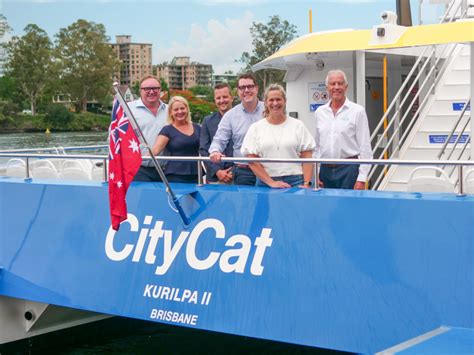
x: 180, y: 138
x: 279, y: 136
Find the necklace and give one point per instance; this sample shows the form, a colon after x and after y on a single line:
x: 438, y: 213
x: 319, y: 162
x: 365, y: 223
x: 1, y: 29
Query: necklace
x: 280, y: 129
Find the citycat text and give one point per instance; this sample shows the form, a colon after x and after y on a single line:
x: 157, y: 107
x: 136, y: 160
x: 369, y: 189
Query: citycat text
x: 233, y: 259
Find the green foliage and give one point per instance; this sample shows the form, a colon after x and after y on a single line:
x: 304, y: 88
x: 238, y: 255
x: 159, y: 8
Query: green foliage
x: 266, y: 40
x: 7, y: 88
x: 136, y: 88
x: 30, y: 63
x: 204, y: 92
x: 6, y: 121
x: 87, y: 63
x: 200, y: 110
x: 89, y: 122
x: 77, y: 122
x: 164, y: 85
x: 57, y: 116
x: 9, y: 109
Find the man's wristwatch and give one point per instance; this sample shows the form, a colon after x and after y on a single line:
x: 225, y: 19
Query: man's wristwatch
x: 307, y: 183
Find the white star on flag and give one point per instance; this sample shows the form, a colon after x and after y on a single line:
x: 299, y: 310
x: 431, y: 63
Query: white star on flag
x: 119, y: 184
x: 134, y: 145
x: 111, y: 176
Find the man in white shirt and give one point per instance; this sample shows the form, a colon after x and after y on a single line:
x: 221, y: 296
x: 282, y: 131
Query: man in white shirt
x: 150, y: 113
x: 342, y: 132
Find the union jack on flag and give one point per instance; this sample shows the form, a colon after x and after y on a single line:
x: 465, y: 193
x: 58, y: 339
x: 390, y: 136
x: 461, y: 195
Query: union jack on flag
x: 124, y: 161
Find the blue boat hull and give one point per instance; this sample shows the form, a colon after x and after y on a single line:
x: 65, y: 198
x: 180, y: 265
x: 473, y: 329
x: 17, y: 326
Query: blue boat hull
x: 347, y: 270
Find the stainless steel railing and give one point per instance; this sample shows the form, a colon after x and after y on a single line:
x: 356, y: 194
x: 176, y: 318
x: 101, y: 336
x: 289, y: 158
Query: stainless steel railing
x: 56, y: 150
x: 388, y: 139
x: 459, y: 138
x: 317, y: 162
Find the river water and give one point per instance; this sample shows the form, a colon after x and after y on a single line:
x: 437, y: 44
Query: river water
x: 130, y: 336
x: 43, y: 140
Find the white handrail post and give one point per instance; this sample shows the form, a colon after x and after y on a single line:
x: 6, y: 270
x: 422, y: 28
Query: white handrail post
x: 27, y: 167
x: 463, y: 7
x: 199, y: 168
x: 316, y: 177
x: 396, y: 130
x: 419, y: 12
x: 461, y: 182
x: 104, y: 171
x: 359, y: 78
x: 471, y: 45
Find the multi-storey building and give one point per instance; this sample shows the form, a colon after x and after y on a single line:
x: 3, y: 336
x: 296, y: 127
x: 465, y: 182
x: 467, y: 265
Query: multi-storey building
x: 5, y: 37
x: 223, y: 78
x: 183, y: 74
x: 135, y: 59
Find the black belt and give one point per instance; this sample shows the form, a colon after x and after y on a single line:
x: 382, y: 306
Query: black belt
x: 339, y: 165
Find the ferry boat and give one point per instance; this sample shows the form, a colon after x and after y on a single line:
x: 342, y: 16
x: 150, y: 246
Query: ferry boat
x: 385, y: 270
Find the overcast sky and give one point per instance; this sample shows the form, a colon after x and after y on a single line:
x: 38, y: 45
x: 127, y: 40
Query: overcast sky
x: 209, y: 31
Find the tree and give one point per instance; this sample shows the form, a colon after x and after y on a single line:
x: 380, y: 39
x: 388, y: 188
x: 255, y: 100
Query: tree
x: 57, y: 116
x: 30, y: 63
x: 87, y: 62
x: 203, y: 92
x: 266, y: 40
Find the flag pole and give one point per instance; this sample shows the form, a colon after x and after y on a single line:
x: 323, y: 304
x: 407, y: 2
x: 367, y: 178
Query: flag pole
x: 157, y: 166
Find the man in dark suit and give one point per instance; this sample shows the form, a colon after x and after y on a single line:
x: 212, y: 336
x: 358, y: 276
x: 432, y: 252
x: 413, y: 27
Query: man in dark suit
x: 220, y: 172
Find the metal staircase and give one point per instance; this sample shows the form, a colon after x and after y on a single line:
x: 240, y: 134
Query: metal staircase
x: 427, y: 118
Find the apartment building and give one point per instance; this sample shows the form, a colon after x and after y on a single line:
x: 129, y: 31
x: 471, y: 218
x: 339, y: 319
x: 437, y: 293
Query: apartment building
x: 183, y: 74
x: 135, y: 58
x: 223, y: 78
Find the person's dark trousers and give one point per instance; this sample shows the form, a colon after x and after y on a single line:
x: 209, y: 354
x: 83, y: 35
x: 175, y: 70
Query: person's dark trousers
x: 191, y: 179
x: 243, y: 175
x: 339, y: 176
x: 148, y: 174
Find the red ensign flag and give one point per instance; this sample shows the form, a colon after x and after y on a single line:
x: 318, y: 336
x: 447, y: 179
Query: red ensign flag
x: 124, y: 161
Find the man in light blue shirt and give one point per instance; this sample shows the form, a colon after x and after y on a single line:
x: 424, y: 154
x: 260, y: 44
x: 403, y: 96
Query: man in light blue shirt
x: 235, y: 124
x: 150, y: 113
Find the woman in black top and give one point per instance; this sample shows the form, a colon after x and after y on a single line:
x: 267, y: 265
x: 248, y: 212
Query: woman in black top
x: 180, y: 138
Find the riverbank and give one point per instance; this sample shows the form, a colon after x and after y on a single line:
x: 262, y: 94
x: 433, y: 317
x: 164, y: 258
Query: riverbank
x: 72, y: 122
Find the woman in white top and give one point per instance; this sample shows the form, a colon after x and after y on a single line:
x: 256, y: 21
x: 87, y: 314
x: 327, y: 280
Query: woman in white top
x: 279, y: 136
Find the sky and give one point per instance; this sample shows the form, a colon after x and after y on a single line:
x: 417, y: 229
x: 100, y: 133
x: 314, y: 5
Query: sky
x: 209, y: 31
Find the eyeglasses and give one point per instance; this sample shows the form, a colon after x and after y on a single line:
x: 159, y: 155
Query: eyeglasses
x: 243, y: 87
x: 155, y: 88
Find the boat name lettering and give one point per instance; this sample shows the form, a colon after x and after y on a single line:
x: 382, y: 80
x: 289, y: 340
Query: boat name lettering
x: 175, y: 317
x: 231, y: 260
x: 176, y: 294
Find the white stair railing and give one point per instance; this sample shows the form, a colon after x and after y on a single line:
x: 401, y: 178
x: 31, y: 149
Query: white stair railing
x: 388, y: 139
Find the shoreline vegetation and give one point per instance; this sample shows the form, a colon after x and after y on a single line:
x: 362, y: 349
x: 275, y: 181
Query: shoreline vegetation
x: 84, y: 122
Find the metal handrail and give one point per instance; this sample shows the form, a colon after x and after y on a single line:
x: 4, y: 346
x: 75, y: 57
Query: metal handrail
x: 399, y: 93
x: 417, y: 113
x: 409, y: 78
x: 453, y: 17
x: 405, y: 133
x: 445, y: 144
x: 317, y: 162
x: 251, y: 160
x: 55, y: 149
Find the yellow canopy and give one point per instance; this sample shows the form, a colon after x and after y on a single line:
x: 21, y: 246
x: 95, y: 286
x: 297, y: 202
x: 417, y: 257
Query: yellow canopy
x: 353, y: 40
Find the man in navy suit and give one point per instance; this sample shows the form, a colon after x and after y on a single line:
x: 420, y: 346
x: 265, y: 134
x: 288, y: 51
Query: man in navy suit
x: 220, y: 172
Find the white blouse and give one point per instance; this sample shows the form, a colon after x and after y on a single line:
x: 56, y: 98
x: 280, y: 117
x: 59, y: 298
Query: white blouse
x: 286, y: 140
